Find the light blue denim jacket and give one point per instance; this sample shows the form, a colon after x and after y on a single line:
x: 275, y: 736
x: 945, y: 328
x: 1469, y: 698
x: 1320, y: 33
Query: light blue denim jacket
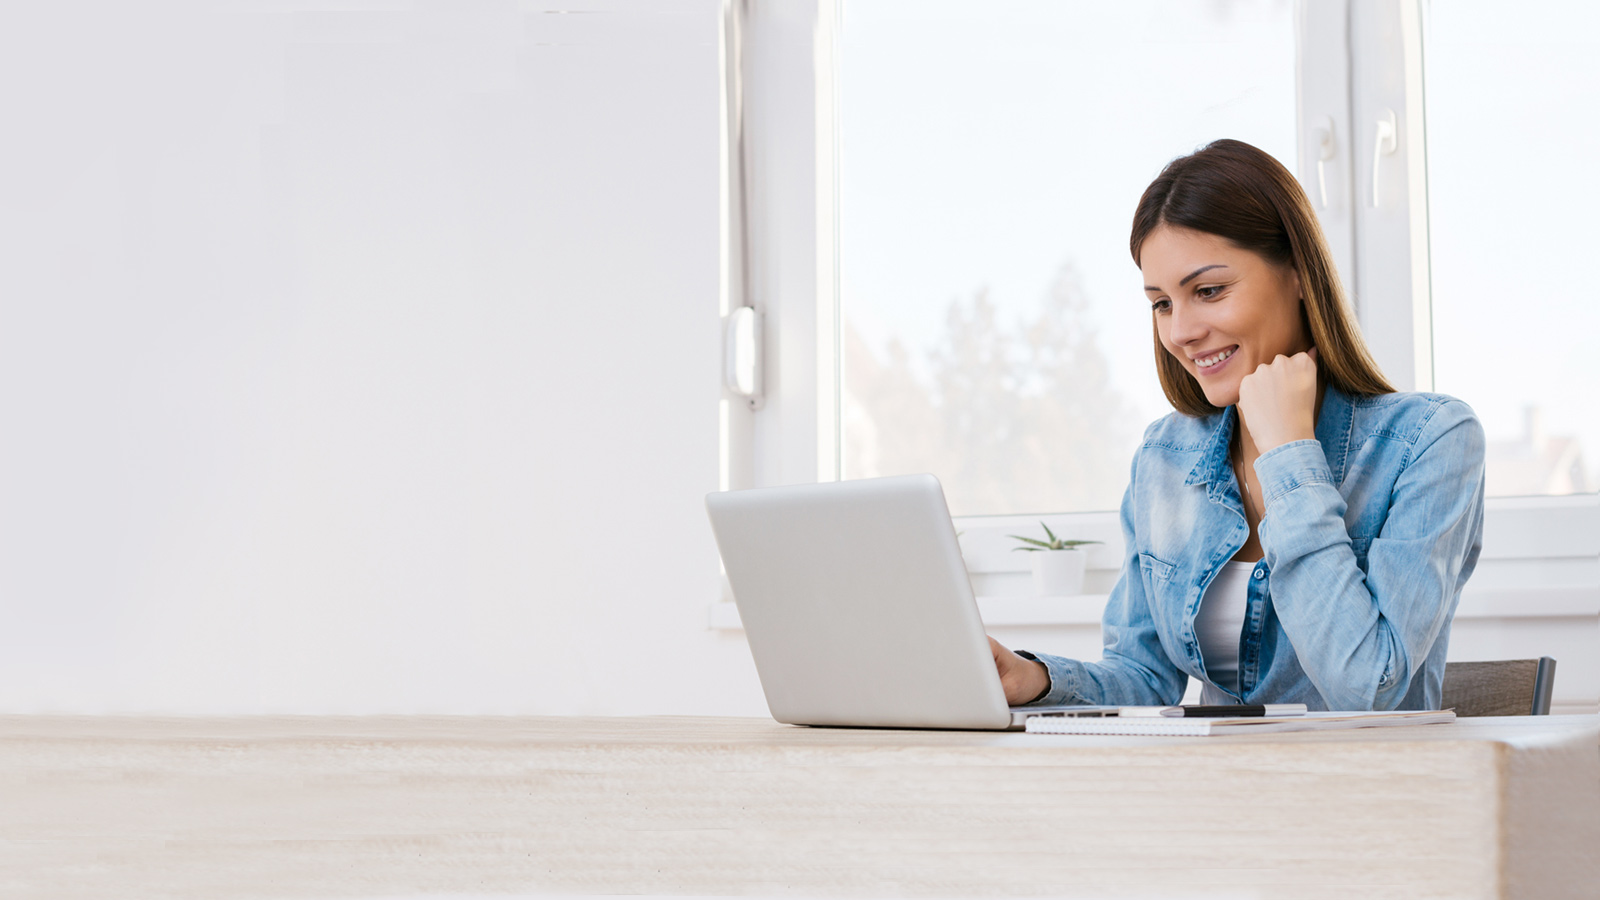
x: 1370, y: 532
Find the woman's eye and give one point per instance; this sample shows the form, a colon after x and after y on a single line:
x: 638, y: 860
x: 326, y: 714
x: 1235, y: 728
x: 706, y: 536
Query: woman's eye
x: 1207, y: 292
x: 1160, y: 305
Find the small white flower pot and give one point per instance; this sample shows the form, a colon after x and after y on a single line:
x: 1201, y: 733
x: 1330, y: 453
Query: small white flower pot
x: 1058, y: 573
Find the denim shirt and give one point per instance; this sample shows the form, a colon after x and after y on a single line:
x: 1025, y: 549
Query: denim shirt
x: 1370, y: 532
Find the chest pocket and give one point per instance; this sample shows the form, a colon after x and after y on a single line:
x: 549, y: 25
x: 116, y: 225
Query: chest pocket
x: 1158, y: 570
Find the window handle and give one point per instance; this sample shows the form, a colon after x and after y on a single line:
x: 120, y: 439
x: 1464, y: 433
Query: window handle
x: 1323, y: 134
x: 1383, y: 145
x: 741, y: 354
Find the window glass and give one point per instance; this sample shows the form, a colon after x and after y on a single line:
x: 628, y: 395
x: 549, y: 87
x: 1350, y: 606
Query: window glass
x: 993, y: 327
x: 1511, y: 135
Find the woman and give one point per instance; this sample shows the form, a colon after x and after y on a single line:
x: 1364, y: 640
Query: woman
x: 1296, y: 531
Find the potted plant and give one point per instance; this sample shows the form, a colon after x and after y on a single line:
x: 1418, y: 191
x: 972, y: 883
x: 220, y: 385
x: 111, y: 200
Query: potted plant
x: 1057, y: 564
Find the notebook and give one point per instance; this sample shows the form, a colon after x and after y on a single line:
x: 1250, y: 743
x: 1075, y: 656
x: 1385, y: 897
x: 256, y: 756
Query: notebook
x: 1202, y: 727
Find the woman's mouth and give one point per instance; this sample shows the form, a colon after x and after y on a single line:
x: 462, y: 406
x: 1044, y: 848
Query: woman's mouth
x: 1210, y: 365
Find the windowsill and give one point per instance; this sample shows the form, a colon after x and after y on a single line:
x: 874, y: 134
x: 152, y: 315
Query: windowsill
x: 1524, y: 603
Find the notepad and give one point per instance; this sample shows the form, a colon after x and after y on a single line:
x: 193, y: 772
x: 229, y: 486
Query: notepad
x: 1195, y: 727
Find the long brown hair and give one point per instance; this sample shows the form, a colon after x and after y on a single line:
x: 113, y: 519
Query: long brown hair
x: 1237, y: 192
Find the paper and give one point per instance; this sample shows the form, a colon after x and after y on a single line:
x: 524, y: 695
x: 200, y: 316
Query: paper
x: 1200, y: 727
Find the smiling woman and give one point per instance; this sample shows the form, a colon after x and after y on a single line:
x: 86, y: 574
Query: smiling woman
x: 1331, y: 522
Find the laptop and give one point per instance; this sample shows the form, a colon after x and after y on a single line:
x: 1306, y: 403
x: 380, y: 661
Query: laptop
x: 857, y: 606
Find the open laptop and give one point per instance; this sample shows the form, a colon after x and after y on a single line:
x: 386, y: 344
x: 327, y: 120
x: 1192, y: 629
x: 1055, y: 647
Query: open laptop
x: 857, y: 605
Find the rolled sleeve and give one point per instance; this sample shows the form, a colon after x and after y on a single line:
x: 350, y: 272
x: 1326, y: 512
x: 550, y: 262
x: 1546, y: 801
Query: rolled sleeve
x: 1288, y: 467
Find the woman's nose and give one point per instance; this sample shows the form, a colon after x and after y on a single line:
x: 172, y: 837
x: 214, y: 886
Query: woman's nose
x: 1184, y: 327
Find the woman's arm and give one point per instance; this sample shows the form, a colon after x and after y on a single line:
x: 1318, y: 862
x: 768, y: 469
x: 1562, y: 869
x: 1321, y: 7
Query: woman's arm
x: 1134, y: 669
x: 1361, y: 638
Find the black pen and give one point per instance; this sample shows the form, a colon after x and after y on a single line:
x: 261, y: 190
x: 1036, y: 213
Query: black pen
x: 1265, y: 709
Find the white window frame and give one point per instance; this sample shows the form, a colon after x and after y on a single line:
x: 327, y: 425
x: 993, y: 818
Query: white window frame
x: 1357, y: 60
x: 780, y: 242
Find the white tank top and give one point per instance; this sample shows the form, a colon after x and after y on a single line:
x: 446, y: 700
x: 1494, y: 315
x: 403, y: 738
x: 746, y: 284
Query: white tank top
x: 1220, y: 622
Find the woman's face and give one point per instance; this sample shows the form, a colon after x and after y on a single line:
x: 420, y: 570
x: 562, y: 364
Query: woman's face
x: 1220, y: 310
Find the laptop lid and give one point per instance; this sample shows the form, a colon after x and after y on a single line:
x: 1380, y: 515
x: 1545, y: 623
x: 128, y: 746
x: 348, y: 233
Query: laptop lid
x: 857, y: 605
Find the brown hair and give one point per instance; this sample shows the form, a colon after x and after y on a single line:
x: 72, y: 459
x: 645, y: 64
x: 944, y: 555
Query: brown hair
x: 1237, y: 192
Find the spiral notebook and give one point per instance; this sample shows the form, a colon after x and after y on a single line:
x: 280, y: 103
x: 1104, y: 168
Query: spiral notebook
x: 1201, y: 727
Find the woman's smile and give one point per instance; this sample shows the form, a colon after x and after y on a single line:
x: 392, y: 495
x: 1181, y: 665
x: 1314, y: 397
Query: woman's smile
x: 1212, y: 363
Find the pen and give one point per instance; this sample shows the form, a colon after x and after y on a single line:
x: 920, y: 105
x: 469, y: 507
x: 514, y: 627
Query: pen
x: 1265, y: 709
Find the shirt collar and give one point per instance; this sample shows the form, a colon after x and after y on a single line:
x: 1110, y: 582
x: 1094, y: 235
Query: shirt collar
x: 1213, y: 466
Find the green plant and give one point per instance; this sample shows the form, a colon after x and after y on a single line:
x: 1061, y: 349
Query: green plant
x: 1054, y: 543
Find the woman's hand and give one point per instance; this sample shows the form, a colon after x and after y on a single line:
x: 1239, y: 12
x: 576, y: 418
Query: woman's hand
x: 1023, y: 679
x: 1279, y: 401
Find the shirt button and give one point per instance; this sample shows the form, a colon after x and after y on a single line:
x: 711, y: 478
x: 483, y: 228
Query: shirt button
x: 1260, y: 574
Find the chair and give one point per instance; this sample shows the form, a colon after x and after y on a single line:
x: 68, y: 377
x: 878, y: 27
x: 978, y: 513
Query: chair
x: 1506, y: 687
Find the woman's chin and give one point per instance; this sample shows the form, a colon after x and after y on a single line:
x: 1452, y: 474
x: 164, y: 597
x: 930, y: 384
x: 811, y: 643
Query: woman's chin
x: 1222, y: 399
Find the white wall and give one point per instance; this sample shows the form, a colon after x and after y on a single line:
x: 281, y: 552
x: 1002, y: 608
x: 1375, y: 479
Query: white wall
x: 361, y: 361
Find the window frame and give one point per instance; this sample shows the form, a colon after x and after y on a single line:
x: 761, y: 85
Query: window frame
x: 780, y: 247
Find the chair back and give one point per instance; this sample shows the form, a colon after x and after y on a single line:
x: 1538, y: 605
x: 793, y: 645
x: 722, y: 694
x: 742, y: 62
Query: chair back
x: 1506, y: 687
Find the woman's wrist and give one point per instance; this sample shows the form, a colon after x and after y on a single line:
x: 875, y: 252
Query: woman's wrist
x: 1044, y: 673
x: 1030, y: 683
x: 1270, y: 442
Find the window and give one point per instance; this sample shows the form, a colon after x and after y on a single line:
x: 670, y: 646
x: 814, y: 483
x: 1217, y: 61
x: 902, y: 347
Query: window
x: 993, y: 329
x: 1511, y: 132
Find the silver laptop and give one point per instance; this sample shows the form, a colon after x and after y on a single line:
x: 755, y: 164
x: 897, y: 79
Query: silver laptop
x: 857, y: 605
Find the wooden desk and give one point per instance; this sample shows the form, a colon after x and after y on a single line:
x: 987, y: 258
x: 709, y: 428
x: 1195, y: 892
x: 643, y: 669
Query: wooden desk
x: 330, y: 807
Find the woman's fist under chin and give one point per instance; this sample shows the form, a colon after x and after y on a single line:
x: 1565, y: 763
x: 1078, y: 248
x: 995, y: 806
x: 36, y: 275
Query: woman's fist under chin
x: 1278, y: 401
